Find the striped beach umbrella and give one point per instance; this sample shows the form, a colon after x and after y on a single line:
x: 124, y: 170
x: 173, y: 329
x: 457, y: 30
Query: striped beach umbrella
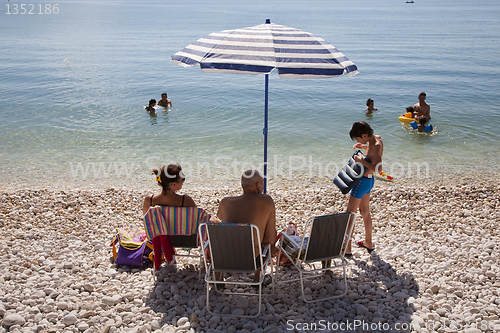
x: 258, y: 50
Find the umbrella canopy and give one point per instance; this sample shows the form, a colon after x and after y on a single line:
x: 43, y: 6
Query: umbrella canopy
x: 259, y: 49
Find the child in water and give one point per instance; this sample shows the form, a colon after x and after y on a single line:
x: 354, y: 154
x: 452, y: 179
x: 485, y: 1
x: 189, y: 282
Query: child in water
x: 411, y: 110
x: 151, y: 107
x: 369, y: 110
x: 421, y: 125
x: 422, y: 121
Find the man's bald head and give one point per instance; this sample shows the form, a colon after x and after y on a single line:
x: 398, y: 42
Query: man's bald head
x: 250, y: 178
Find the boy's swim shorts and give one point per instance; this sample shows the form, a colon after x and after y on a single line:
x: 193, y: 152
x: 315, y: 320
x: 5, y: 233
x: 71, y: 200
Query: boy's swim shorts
x: 363, y: 186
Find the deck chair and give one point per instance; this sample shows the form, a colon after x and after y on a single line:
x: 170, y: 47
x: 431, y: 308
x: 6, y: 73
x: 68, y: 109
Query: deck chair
x: 322, y: 248
x: 231, y: 250
x: 180, y: 225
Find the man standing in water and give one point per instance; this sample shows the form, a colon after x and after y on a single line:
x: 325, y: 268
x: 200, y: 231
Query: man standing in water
x: 164, y: 101
x: 422, y: 108
x: 360, y: 194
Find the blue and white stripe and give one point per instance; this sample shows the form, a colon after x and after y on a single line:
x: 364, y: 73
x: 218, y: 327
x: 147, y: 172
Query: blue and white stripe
x: 260, y: 49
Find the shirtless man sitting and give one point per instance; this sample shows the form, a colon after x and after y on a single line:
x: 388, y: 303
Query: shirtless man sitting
x: 164, y: 101
x: 252, y: 207
x: 422, y: 108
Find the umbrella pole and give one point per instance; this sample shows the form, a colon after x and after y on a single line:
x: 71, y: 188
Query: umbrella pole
x: 265, y: 133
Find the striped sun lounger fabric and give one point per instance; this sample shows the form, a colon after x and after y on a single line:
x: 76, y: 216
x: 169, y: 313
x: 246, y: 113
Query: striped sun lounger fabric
x: 165, y: 220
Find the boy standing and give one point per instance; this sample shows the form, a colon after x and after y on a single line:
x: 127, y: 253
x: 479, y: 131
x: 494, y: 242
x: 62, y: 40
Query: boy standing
x: 360, y: 194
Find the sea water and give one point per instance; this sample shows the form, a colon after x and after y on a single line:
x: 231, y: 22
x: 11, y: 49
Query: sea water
x: 73, y: 85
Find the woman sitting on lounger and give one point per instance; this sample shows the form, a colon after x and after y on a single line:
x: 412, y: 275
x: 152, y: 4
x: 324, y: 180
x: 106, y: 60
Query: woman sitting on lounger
x: 170, y: 178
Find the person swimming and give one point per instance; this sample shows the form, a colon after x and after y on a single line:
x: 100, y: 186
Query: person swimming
x: 151, y: 107
x: 422, y: 121
x: 164, y: 101
x: 421, y: 124
x: 369, y: 110
x: 422, y: 108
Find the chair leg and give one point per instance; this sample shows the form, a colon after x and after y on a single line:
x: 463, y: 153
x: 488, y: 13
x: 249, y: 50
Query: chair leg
x: 272, y: 273
x: 208, y: 298
x: 200, y: 267
x: 345, y: 283
x: 277, y: 270
x: 260, y: 299
x: 302, y: 285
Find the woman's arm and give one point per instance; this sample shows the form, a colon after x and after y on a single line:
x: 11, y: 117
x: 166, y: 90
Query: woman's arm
x: 145, y: 205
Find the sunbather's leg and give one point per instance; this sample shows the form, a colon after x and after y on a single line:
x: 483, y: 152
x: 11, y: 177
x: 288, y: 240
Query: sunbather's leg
x: 167, y: 247
x: 256, y: 276
x: 157, y: 251
x: 268, y: 279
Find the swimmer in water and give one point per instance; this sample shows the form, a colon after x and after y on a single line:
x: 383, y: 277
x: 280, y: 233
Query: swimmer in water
x: 422, y: 121
x: 151, y: 107
x: 164, y: 101
x: 422, y: 108
x: 369, y: 110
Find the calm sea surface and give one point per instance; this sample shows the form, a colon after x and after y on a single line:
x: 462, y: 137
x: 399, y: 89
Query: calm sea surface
x: 73, y: 86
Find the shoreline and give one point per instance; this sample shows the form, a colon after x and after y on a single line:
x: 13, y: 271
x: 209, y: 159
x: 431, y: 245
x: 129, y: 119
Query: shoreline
x: 131, y: 175
x: 435, y: 261
x: 464, y: 174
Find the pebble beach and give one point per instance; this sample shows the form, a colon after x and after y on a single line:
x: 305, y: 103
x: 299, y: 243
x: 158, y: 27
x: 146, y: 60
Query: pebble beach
x: 77, y: 149
x: 435, y: 267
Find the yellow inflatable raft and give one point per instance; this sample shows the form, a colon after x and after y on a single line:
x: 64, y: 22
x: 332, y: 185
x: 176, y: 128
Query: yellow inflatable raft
x: 407, y: 118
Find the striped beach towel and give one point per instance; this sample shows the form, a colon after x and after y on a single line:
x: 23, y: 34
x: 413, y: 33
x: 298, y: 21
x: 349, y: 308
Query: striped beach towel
x: 166, y: 220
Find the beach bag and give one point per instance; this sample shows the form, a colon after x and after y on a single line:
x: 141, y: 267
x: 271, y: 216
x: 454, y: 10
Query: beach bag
x: 291, y: 243
x: 131, y: 247
x: 349, y: 175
